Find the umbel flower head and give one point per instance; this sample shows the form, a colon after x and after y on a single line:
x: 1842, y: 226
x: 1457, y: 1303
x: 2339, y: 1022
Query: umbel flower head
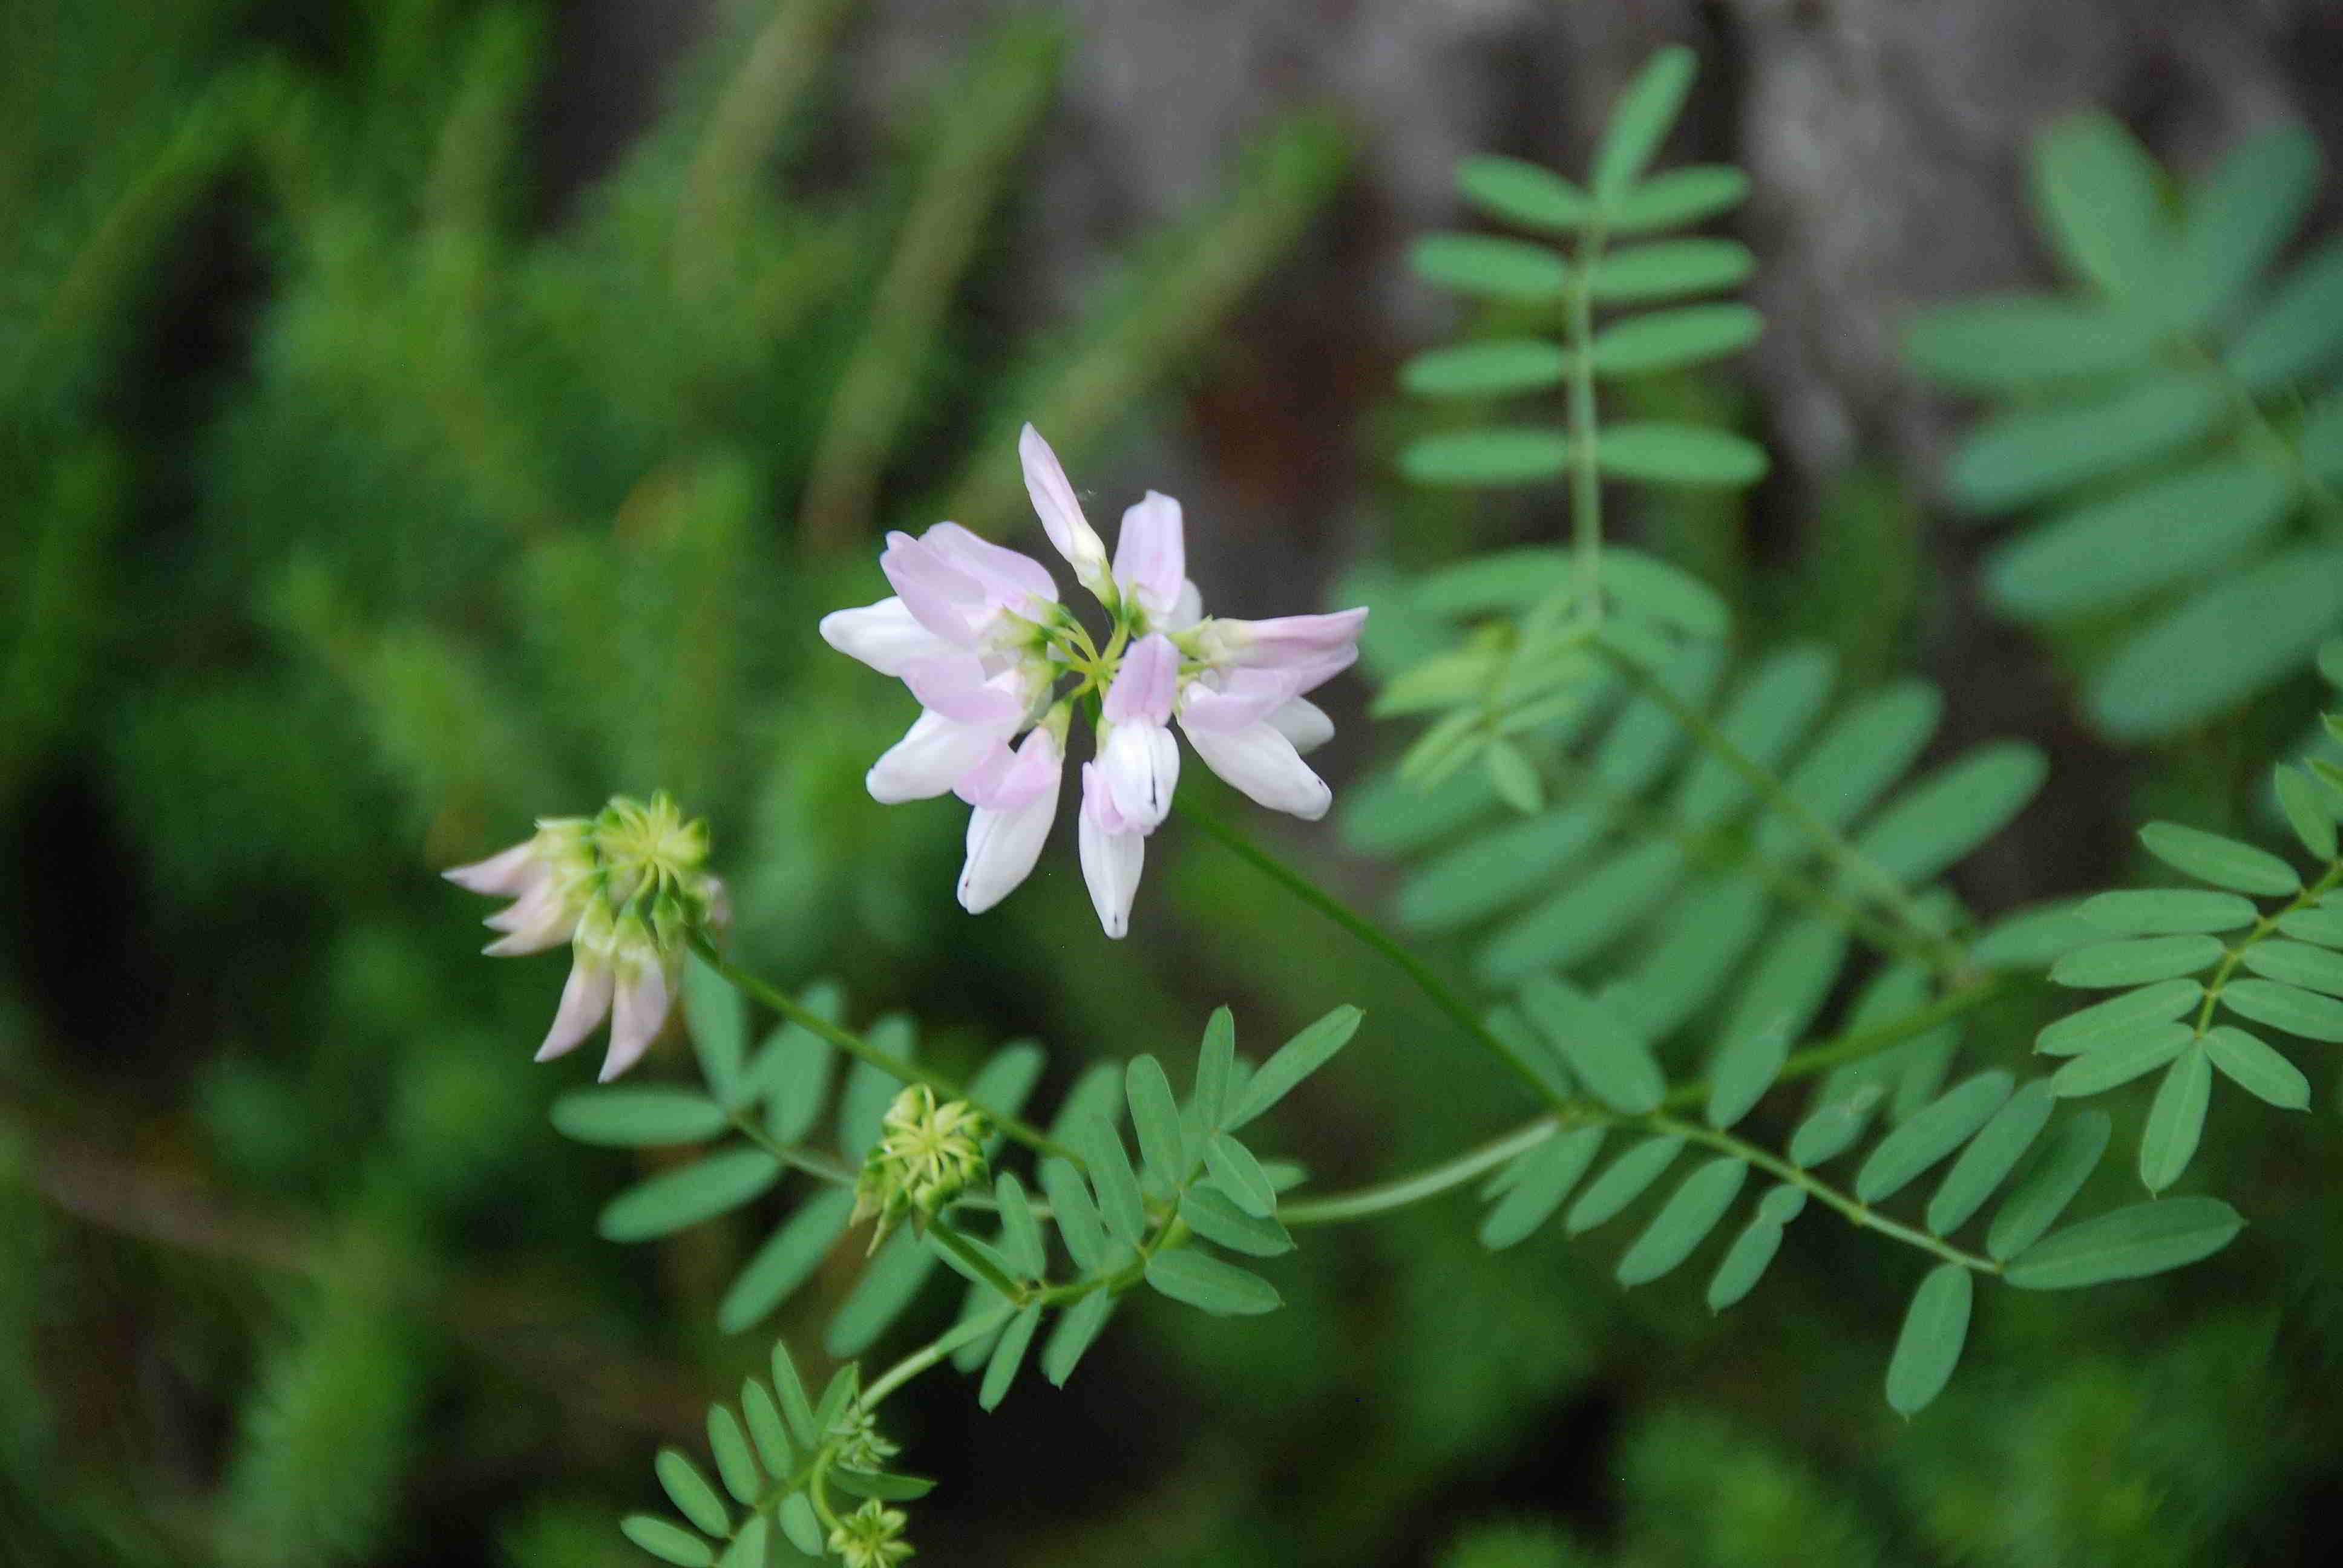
x: 870, y: 1537
x: 625, y: 888
x: 926, y: 1153
x: 978, y: 634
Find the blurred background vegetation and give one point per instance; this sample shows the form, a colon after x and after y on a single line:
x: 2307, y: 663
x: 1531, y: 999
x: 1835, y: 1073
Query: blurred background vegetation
x: 421, y: 415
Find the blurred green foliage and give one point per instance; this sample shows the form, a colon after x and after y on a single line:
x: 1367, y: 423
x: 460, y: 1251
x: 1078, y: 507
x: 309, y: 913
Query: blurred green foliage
x: 362, y: 495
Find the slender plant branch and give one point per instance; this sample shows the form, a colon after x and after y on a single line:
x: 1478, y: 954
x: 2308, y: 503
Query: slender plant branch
x: 952, y: 1241
x: 1444, y: 1177
x: 934, y: 1351
x: 1857, y: 1044
x: 861, y: 1049
x: 1862, y: 1214
x: 1585, y: 479
x: 835, y: 1172
x: 1433, y: 987
x: 2262, y: 929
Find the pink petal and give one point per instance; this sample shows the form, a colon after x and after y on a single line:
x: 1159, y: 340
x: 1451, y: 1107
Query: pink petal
x: 1144, y: 688
x: 1285, y: 640
x: 1006, y: 782
x: 1264, y: 765
x: 1060, y: 513
x: 584, y: 1003
x: 1011, y: 578
x: 957, y: 687
x: 639, y: 1012
x: 1233, y: 698
x: 508, y: 873
x: 1151, y: 554
x: 1004, y: 845
x: 1097, y: 801
x: 939, y: 595
x: 932, y: 756
x: 885, y: 635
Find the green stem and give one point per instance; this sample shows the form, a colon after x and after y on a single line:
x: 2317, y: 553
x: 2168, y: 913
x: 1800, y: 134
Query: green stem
x: 1858, y: 1044
x: 952, y: 1241
x: 929, y: 1354
x: 835, y: 1172
x: 1851, y: 863
x: 1862, y: 1214
x: 1367, y: 932
x: 2262, y: 927
x: 854, y: 1045
x: 1446, y: 1176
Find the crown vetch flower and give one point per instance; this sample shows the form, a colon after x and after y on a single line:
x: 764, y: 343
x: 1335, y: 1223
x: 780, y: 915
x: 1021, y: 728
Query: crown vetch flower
x: 624, y: 888
x: 978, y: 634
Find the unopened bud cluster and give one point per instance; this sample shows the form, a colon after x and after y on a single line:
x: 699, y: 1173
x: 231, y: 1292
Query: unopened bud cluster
x: 870, y: 1537
x: 625, y: 888
x: 926, y: 1152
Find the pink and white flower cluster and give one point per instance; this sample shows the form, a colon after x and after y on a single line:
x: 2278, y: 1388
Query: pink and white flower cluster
x: 978, y: 635
x: 624, y: 888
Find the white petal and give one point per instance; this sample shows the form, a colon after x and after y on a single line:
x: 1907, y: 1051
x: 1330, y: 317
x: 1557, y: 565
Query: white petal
x: 1187, y: 610
x: 1263, y: 764
x: 584, y: 1003
x: 930, y: 759
x: 639, y: 1009
x: 1226, y: 699
x: 957, y: 687
x: 506, y: 874
x: 543, y: 919
x: 1110, y: 867
x: 1304, y: 723
x: 1060, y: 513
x: 1290, y: 639
x: 1002, y: 846
x: 1151, y: 554
x: 1008, y: 780
x: 885, y: 635
x: 1140, y: 763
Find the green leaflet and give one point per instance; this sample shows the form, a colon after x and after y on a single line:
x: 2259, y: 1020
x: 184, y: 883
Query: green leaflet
x: 1672, y: 339
x: 1609, y: 1058
x: 2224, y: 862
x: 2176, y: 529
x: 883, y: 1294
x: 637, y: 1118
x: 1021, y: 1232
x: 1667, y: 268
x: 1494, y: 367
x: 1488, y: 871
x: 2028, y: 455
x: 1513, y: 776
x: 1583, y: 917
x: 1770, y: 711
x: 1930, y: 1135
x: 677, y: 1199
x: 796, y: 1408
x: 2176, y: 1121
x: 1155, y: 1117
x: 1744, y: 1263
x: 1524, y: 193
x: 1209, y: 1284
x: 2050, y: 1183
x: 1640, y: 122
x: 2307, y: 805
x: 785, y: 1261
x: 2324, y: 927
x: 1621, y: 1182
x: 1684, y: 1221
x: 2296, y: 1011
x: 2238, y: 635
x: 800, y: 1525
x: 690, y: 1492
x: 717, y: 1018
x: 2098, y: 196
x: 2139, y: 960
x: 1006, y: 1080
x: 1498, y: 455
x: 2237, y: 218
x: 734, y: 1463
x: 2256, y: 1068
x: 1651, y: 588
x: 1783, y: 1203
x: 880, y: 1483
x: 1240, y: 1176
x: 1952, y: 810
x: 2103, y: 1023
x: 1677, y: 197
x: 668, y: 1543
x: 1383, y: 815
x: 1990, y: 1157
x: 1935, y: 1328
x: 2006, y: 342
x: 2121, y: 1060
x: 2168, y: 911
x: 747, y: 1548
x: 1694, y: 946
x: 1120, y: 1203
x: 1787, y: 987
x: 2144, y: 1238
x: 765, y: 1428
x: 1220, y: 1222
x: 2297, y: 964
x: 2036, y: 936
x: 2300, y: 330
x: 868, y: 1091
x: 1744, y: 1069
x: 1076, y: 1214
x: 1543, y: 1178
x: 1856, y: 757
x: 1669, y: 454
x: 1008, y: 1355
x: 1310, y: 1048
x: 1077, y: 1327
x: 1215, y: 1061
x: 1500, y: 268
x: 793, y: 1069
